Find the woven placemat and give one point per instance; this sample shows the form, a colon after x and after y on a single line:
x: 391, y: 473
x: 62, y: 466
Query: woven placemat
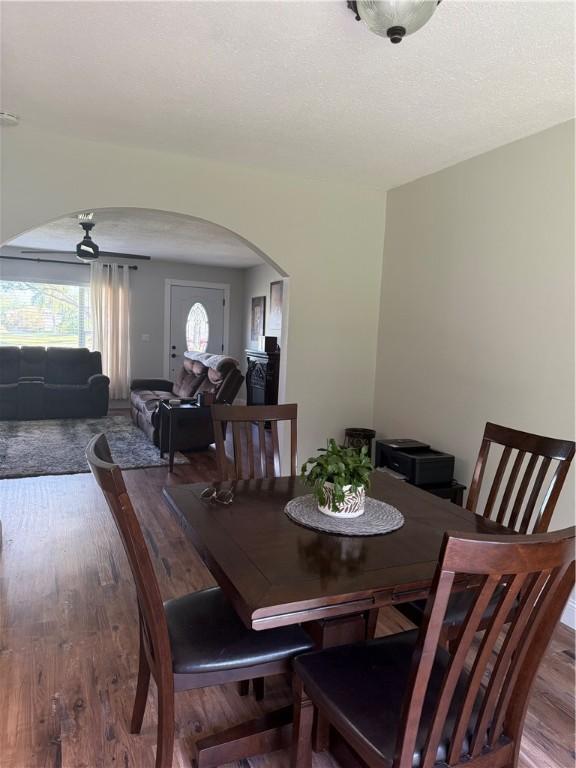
x: 378, y: 517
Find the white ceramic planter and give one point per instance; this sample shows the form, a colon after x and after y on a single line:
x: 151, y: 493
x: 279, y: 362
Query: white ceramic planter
x: 352, y: 506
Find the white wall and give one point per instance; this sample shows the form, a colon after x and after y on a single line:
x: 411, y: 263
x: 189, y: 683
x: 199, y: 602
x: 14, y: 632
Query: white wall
x: 477, y: 311
x: 326, y: 237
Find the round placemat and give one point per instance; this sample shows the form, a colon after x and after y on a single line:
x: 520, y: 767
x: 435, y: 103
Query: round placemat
x: 378, y: 517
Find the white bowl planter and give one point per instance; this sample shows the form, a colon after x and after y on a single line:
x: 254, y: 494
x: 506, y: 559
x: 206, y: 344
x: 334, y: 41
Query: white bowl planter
x: 352, y: 506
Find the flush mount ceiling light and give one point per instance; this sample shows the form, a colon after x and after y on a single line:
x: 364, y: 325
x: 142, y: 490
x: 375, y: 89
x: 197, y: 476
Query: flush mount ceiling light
x: 393, y: 19
x: 7, y: 118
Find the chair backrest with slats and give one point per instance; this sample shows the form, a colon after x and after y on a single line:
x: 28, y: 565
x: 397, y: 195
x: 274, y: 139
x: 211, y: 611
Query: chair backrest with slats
x: 152, y: 617
x: 533, y: 469
x: 480, y: 699
x: 256, y: 449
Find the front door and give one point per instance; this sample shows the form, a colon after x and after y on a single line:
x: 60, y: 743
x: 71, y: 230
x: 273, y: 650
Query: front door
x: 196, y: 323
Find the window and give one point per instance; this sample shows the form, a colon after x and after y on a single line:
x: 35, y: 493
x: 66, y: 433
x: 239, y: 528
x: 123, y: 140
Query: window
x: 197, y: 329
x: 44, y: 314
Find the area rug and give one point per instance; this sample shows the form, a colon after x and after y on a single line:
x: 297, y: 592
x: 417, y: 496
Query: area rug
x: 57, y: 446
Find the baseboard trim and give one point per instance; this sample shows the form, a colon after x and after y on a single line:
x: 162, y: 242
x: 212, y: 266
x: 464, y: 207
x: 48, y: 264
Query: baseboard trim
x: 569, y: 615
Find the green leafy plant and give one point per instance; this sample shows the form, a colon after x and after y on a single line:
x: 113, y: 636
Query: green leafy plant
x: 340, y: 466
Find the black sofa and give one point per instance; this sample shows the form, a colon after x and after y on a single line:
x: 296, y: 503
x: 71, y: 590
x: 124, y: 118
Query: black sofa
x: 52, y: 383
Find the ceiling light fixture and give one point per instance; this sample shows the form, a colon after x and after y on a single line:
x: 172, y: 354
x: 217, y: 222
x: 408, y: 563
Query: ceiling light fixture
x: 393, y: 19
x: 7, y: 118
x: 87, y: 250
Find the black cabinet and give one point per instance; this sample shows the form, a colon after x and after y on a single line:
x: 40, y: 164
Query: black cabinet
x: 262, y: 377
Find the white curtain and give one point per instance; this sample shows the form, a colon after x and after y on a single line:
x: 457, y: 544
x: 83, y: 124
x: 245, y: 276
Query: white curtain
x: 110, y: 309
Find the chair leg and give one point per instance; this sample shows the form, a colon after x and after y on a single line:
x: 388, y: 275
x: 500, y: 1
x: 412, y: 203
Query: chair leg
x: 321, y: 733
x: 165, y: 742
x: 244, y: 687
x: 141, y: 692
x: 258, y: 686
x: 301, y: 754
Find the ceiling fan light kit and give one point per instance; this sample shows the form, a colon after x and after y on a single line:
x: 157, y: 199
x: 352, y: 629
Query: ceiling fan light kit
x: 393, y: 19
x: 87, y: 250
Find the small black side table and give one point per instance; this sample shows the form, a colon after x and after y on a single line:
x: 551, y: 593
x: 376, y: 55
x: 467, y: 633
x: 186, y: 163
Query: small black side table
x: 184, y: 426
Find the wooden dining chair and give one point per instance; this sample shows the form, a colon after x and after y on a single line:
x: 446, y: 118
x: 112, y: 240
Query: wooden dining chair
x: 403, y: 701
x: 537, y: 468
x: 256, y: 449
x: 529, y: 476
x: 193, y: 641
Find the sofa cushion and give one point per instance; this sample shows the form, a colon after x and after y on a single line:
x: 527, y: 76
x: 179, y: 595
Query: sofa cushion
x: 9, y: 365
x: 189, y: 378
x: 33, y: 361
x: 145, y: 401
x: 68, y: 366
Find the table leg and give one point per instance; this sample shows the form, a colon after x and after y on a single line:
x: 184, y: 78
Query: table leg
x: 171, y: 440
x: 274, y: 730
x: 254, y: 737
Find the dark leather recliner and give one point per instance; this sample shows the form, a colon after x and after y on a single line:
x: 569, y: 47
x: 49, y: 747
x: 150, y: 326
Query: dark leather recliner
x: 200, y: 372
x: 52, y: 383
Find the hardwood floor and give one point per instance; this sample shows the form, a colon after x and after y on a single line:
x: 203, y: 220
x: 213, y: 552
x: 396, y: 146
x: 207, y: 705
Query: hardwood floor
x: 68, y: 636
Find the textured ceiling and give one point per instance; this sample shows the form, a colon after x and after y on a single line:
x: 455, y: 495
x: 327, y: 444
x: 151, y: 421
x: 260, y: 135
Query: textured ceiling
x: 297, y: 86
x: 158, y: 234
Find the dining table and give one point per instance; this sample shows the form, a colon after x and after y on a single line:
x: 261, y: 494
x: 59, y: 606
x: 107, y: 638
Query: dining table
x: 276, y: 572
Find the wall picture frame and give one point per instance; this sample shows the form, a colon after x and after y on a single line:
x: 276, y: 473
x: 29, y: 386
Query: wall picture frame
x: 275, y: 308
x: 257, y: 318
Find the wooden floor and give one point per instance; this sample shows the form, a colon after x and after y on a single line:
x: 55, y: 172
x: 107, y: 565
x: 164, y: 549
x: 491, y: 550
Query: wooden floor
x: 68, y: 636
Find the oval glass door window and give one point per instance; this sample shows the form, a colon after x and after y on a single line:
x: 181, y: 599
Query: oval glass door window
x: 197, y: 329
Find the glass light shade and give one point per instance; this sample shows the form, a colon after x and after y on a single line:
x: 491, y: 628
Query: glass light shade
x: 395, y: 18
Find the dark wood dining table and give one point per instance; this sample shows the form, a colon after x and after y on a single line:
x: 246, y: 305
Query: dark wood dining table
x: 276, y: 572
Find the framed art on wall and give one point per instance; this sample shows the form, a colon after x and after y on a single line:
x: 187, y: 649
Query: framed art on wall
x: 275, y: 313
x: 257, y: 322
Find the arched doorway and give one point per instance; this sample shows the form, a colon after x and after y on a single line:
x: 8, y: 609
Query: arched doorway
x: 183, y: 251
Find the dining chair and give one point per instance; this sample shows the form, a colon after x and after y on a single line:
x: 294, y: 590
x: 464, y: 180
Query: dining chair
x: 252, y: 442
x: 193, y: 641
x: 529, y: 476
x: 403, y: 701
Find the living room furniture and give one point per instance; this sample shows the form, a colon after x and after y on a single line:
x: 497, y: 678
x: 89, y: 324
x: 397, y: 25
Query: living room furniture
x: 193, y: 641
x: 525, y: 505
x: 262, y: 377
x: 183, y: 426
x: 277, y: 573
x: 402, y: 701
x: 52, y: 383
x: 252, y: 455
x: 200, y: 372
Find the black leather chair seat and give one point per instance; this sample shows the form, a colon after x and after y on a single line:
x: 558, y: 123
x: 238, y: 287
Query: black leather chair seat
x: 206, y: 635
x: 362, y: 686
x: 458, y: 607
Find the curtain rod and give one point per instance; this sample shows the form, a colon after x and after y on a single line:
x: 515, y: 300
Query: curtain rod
x: 59, y: 261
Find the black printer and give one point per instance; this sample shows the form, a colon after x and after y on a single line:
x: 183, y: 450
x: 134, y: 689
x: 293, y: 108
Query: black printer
x: 417, y: 462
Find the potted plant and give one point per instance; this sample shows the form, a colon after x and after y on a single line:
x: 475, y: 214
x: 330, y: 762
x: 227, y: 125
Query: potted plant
x: 339, y: 477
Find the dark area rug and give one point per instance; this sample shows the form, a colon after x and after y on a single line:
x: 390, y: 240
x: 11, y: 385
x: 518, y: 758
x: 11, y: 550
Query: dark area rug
x: 56, y: 447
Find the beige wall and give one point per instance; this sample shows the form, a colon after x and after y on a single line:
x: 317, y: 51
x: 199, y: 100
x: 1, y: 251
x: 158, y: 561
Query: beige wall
x: 477, y: 310
x: 327, y: 238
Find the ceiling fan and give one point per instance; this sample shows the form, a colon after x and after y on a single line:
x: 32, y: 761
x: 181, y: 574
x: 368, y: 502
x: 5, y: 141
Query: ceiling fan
x: 87, y: 250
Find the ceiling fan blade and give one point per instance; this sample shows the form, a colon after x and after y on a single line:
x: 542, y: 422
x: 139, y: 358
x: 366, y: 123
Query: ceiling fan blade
x: 39, y: 250
x: 125, y: 255
x: 113, y: 254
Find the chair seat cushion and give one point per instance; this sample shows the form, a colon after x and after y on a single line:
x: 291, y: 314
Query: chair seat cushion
x: 207, y: 635
x: 362, y: 688
x: 458, y: 607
